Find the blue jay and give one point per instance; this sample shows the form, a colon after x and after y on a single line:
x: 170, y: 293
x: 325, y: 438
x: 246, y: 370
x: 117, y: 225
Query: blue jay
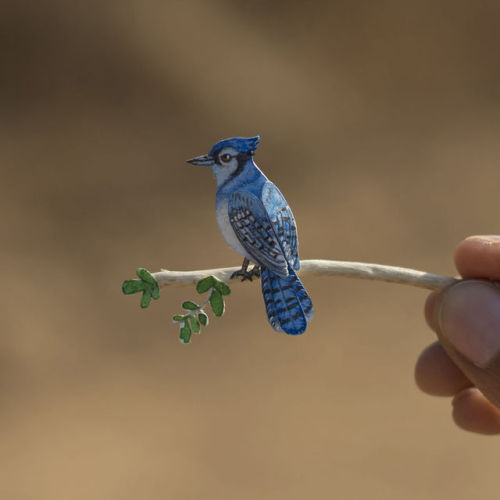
x: 257, y: 222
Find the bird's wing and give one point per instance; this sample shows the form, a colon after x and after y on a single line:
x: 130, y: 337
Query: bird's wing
x: 250, y: 221
x: 283, y: 222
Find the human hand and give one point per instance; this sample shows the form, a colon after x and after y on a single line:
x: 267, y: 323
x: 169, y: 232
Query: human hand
x: 465, y: 363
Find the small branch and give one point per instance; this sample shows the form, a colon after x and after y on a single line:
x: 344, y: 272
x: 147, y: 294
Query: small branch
x: 391, y: 274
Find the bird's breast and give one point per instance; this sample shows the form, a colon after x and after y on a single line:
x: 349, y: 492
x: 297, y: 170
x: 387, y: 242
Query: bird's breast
x: 226, y: 229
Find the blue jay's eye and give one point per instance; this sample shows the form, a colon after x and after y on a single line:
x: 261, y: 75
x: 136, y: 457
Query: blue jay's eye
x: 226, y: 157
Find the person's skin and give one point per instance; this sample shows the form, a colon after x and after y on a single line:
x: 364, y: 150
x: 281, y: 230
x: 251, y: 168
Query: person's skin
x: 465, y: 363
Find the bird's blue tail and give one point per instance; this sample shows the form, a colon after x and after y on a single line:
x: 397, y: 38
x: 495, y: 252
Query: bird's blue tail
x: 288, y: 306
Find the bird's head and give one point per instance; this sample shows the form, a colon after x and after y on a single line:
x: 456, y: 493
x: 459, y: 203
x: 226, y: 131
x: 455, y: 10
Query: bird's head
x: 228, y: 157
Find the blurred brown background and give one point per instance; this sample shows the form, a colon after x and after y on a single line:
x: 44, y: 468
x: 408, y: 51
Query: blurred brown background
x: 380, y: 124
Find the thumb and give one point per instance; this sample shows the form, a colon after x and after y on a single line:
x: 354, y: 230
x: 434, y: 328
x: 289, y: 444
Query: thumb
x: 468, y: 327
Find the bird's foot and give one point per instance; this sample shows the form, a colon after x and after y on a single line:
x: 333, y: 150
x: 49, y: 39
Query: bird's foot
x: 247, y: 274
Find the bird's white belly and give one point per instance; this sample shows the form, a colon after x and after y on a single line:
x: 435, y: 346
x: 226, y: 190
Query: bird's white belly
x: 227, y: 230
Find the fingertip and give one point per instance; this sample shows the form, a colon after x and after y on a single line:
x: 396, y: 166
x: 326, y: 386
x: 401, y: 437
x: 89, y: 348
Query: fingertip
x: 479, y: 257
x: 437, y: 375
x: 474, y: 413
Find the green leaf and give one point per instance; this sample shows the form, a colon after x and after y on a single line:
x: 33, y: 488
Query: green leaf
x: 203, y: 318
x: 195, y: 324
x: 145, y: 275
x: 156, y: 291
x: 132, y: 286
x: 205, y: 284
x: 178, y: 318
x: 146, y: 299
x: 185, y: 336
x: 222, y: 287
x: 217, y: 303
x: 190, y: 306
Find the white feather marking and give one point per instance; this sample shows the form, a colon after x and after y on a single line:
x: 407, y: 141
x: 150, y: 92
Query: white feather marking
x: 227, y: 231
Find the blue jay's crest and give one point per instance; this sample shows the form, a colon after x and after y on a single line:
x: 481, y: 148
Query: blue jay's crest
x: 241, y: 144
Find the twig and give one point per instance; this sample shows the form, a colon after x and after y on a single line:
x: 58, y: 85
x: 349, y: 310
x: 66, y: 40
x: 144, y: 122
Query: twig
x: 362, y: 270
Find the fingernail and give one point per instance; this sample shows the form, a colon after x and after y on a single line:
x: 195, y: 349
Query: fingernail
x: 469, y: 317
x: 491, y: 238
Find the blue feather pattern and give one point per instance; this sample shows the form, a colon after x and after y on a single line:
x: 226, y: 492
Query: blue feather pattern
x: 288, y: 306
x: 270, y: 237
x: 252, y: 226
x: 283, y: 223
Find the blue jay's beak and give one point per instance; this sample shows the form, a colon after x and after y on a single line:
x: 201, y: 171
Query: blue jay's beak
x: 203, y: 160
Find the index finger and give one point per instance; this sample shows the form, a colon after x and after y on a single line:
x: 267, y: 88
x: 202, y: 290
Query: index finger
x: 479, y: 257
